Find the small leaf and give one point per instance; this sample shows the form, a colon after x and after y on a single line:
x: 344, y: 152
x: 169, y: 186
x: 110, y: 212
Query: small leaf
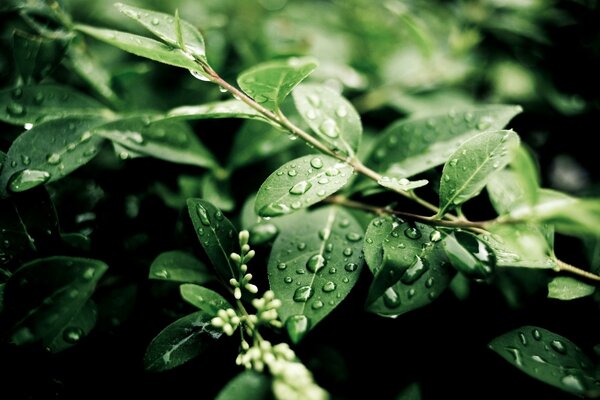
x: 548, y: 357
x: 567, y: 288
x: 401, y: 184
x: 179, y: 266
x: 37, y: 157
x: 180, y: 342
x: 37, y: 103
x: 144, y: 47
x: 172, y: 141
x: 270, y: 83
x: 43, y: 296
x: 413, y: 273
x: 205, y: 299
x: 377, y: 231
x: 470, y: 166
x: 314, y: 263
x: 222, y: 109
x: 333, y: 119
x: 75, y: 330
x: 247, y: 385
x: 217, y: 235
x: 409, y: 147
x: 164, y: 27
x: 301, y: 183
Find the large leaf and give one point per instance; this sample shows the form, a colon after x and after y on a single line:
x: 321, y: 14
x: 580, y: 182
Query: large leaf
x: 164, y: 26
x: 270, y: 83
x: 300, y: 183
x: 217, y: 235
x: 467, y: 171
x: 144, y: 47
x: 409, y: 147
x: 414, y: 270
x: 247, y: 385
x: 314, y: 263
x: 205, y: 299
x: 550, y: 358
x: 49, y: 152
x: 44, y: 296
x: 167, y: 140
x: 567, y: 288
x: 222, y: 109
x: 377, y: 231
x: 36, y: 103
x: 333, y: 119
x: 179, y: 266
x: 180, y: 342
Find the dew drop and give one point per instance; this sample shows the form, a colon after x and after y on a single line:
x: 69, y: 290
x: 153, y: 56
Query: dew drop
x: 351, y: 267
x: 435, y: 236
x: 297, y: 327
x: 15, y: 109
x: 155, y: 21
x: 296, y: 205
x: 28, y: 179
x: 281, y: 266
x: 300, y: 188
x: 324, y: 233
x: 415, y: 271
x: 329, y: 287
x: 301, y: 246
x: 332, y: 270
x: 315, y: 263
x: 38, y: 98
x: 536, y: 334
x: 311, y: 114
x: 302, y: 294
x: 429, y: 282
x: 314, y: 100
x: 53, y: 159
x: 199, y: 76
x: 292, y: 172
x: 412, y: 233
x: 391, y: 298
x: 162, y: 273
x: 329, y: 128
x: 573, y: 382
x: 329, y: 247
x: 72, y: 334
x: 274, y: 210
x: 316, y: 305
x: 347, y: 252
x: 522, y: 338
x: 411, y: 293
x: 316, y: 163
x: 516, y: 354
x: 341, y: 111
x: 25, y: 160
x: 321, y: 193
x: 353, y: 236
x: 288, y: 279
x: 558, y: 346
x: 203, y: 215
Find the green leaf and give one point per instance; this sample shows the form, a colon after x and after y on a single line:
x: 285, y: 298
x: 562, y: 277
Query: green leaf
x: 270, y: 83
x: 409, y: 147
x: 217, y: 235
x: 301, y: 183
x: 217, y: 191
x: 172, y: 141
x: 44, y: 296
x: 255, y: 142
x: 37, y: 157
x: 567, y: 288
x: 247, y: 385
x: 401, y: 184
x: 37, y: 103
x: 164, y: 27
x: 411, y: 392
x: 205, y: 299
x: 144, y: 47
x: 377, y: 231
x: 221, y: 109
x: 180, y: 342
x: 414, y: 270
x: 331, y: 117
x: 467, y: 171
x: 470, y: 255
x: 314, y: 263
x: 75, y: 330
x: 36, y: 56
x: 179, y: 266
x: 549, y: 358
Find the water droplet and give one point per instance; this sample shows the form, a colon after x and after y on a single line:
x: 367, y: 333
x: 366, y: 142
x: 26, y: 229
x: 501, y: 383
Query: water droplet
x: 332, y: 270
x: 72, y: 334
x: 292, y: 172
x: 341, y: 111
x: 203, y: 215
x: 329, y: 247
x: 470, y: 255
x: 345, y: 280
x: 15, y: 109
x: 311, y: 114
x: 323, y: 180
x: 88, y: 274
x: 332, y: 171
x: 321, y: 193
x: 297, y: 327
x: 446, y: 177
x: 316, y: 163
x: 316, y: 263
x: 85, y: 137
x: 314, y: 100
x: 558, y: 346
x: 412, y: 233
x: 351, y: 267
x: 303, y: 293
x: 199, y: 76
x: 484, y: 123
x: 522, y: 338
x: 279, y: 173
x: 415, y: 271
x: 261, y: 98
x: 347, y: 252
x: 162, y: 273
x: 38, y: 98
x: 17, y: 93
x: 353, y: 236
x: 429, y: 282
x: 468, y: 117
x: 391, y: 298
x: 574, y: 383
x: 25, y: 160
x: 53, y: 159
x: 324, y: 233
x: 281, y: 266
x: 435, y: 236
x: 316, y: 305
x: 155, y: 21
x: 411, y: 293
x: 300, y: 188
x: 274, y: 210
x: 28, y: 179
x: 536, y: 334
x: 539, y: 359
x: 516, y: 354
x: 329, y: 287
x: 329, y: 128
x: 301, y: 246
x: 288, y: 279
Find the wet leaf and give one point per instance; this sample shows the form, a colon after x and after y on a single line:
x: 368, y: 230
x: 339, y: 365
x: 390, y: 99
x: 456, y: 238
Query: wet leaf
x: 36, y: 56
x: 247, y: 385
x: 300, y: 183
x: 468, y: 169
x: 205, y: 299
x: 75, y: 330
x: 377, y: 231
x: 470, y: 255
x: 401, y: 184
x: 550, y: 358
x: 567, y: 288
x: 331, y: 117
x: 223, y: 109
x: 522, y: 245
x: 179, y: 266
x: 271, y: 82
x: 314, y: 263
x: 217, y: 235
x: 180, y: 342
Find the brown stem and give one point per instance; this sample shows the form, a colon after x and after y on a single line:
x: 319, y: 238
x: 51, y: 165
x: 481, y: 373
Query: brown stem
x: 563, y: 266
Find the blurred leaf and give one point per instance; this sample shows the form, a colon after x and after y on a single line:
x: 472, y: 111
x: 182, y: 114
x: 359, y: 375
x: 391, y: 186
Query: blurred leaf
x: 331, y: 117
x: 247, y: 385
x: 522, y: 245
x: 180, y: 342
x: 314, y: 263
x: 300, y: 183
x: 550, y: 358
x: 34, y: 104
x: 36, y: 56
x: 567, y: 288
x: 411, y: 392
x: 205, y: 299
x: 172, y: 141
x: 37, y: 157
x: 222, y: 109
x: 218, y: 192
x: 217, y: 235
x: 179, y: 266
x: 43, y: 296
x: 270, y: 83
x: 401, y: 184
x: 468, y: 169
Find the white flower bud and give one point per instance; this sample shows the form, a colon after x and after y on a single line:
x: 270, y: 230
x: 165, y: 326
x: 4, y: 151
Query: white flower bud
x: 228, y: 329
x: 235, y: 320
x: 247, y: 277
x: 275, y: 303
x: 235, y: 257
x: 222, y: 314
x: 258, y: 303
x: 250, y: 255
x: 245, y: 249
x: 276, y: 323
x: 237, y: 293
x: 269, y: 295
x: 217, y: 322
x: 233, y: 282
x: 243, y: 268
x: 231, y: 312
x: 259, y: 365
x: 245, y: 345
x: 268, y: 358
x: 251, y: 288
x: 244, y: 236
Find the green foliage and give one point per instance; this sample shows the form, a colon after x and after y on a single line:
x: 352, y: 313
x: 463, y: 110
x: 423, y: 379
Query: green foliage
x: 205, y: 299
x: 247, y: 385
x: 566, y: 288
x: 179, y: 266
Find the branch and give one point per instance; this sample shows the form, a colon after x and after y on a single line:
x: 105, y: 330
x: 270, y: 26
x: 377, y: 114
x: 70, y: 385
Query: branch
x: 563, y: 266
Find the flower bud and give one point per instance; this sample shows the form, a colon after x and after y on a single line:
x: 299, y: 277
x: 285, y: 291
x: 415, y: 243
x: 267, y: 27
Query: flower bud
x: 251, y: 288
x: 237, y: 293
x: 244, y: 236
x: 250, y: 255
x: 245, y: 249
x: 235, y: 257
x: 217, y: 322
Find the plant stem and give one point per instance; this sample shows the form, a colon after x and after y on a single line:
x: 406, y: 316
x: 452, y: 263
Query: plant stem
x: 563, y: 266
